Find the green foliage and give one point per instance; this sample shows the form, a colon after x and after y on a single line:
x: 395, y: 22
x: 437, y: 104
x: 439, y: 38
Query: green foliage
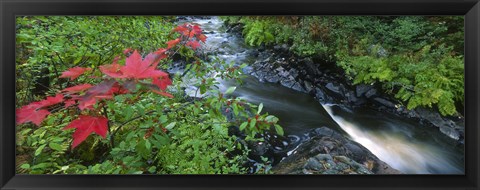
x: 258, y: 32
x: 48, y: 45
x: 147, y: 133
x: 417, y: 59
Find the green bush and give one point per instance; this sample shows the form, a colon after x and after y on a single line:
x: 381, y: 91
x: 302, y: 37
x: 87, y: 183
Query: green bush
x: 48, y: 45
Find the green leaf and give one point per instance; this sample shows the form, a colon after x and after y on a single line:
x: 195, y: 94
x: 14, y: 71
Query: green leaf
x: 253, y: 122
x: 148, y: 145
x: 243, y: 125
x: 170, y: 126
x: 39, y: 149
x: 152, y: 169
x: 55, y: 146
x: 39, y: 166
x: 203, y: 89
x: 260, y: 107
x: 230, y: 90
x: 25, y: 166
x: 235, y: 109
x: 279, y: 129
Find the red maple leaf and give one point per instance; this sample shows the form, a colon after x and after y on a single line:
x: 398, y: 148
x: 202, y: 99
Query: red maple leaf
x: 33, y: 112
x: 101, y: 91
x: 86, y: 125
x: 77, y: 88
x: 51, y: 100
x: 196, y: 30
x: 137, y: 68
x: 182, y: 29
x: 162, y: 83
x: 193, y: 44
x: 172, y: 43
x: 74, y: 72
x: 69, y: 102
x: 112, y: 70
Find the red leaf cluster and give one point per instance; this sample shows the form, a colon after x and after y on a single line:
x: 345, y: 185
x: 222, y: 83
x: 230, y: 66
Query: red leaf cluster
x: 86, y: 95
x: 34, y: 113
x: 136, y: 68
x: 74, y: 72
x: 86, y: 125
x: 190, y: 32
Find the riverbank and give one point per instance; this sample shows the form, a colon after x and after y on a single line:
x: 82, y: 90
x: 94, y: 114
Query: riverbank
x: 327, y: 83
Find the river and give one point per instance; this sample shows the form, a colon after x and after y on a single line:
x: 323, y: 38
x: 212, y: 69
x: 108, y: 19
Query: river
x: 403, y: 144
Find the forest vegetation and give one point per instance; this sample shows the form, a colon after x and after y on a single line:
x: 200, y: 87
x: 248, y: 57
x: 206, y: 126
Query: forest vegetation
x: 93, y: 94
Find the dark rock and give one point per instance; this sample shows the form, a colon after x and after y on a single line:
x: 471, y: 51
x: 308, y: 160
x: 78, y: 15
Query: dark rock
x: 272, y: 78
x: 384, y: 102
x: 361, y: 89
x: 312, y: 68
x: 284, y: 74
x: 336, y: 90
x: 293, y: 73
x: 326, y: 164
x: 446, y: 126
x: 452, y: 133
x: 370, y: 93
x: 320, y: 95
x: 280, y: 69
x: 308, y: 86
x: 259, y: 150
x: 287, y: 83
x: 298, y: 87
x: 351, y: 98
x: 329, y: 142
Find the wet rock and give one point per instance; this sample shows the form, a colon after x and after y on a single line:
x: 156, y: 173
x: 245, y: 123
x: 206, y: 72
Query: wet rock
x: 308, y: 86
x: 351, y: 98
x: 447, y: 127
x: 284, y: 74
x: 326, y: 164
x: 384, y: 102
x: 272, y: 78
x: 298, y: 87
x: 335, y: 90
x: 320, y: 95
x: 259, y: 150
x: 329, y: 142
x: 293, y: 73
x: 361, y: 89
x: 280, y: 69
x: 371, y: 93
x: 287, y: 83
x: 452, y: 133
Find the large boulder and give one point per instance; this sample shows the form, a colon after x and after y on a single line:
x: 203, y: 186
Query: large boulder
x: 325, y: 146
x: 335, y: 90
x: 326, y: 164
x: 446, y: 126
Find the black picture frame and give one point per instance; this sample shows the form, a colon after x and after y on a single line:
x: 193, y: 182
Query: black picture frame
x: 10, y: 8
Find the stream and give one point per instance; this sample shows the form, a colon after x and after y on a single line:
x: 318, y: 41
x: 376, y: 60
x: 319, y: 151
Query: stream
x: 403, y: 144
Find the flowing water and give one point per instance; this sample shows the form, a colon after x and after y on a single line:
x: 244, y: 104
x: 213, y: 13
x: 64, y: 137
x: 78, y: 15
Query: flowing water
x: 401, y: 143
